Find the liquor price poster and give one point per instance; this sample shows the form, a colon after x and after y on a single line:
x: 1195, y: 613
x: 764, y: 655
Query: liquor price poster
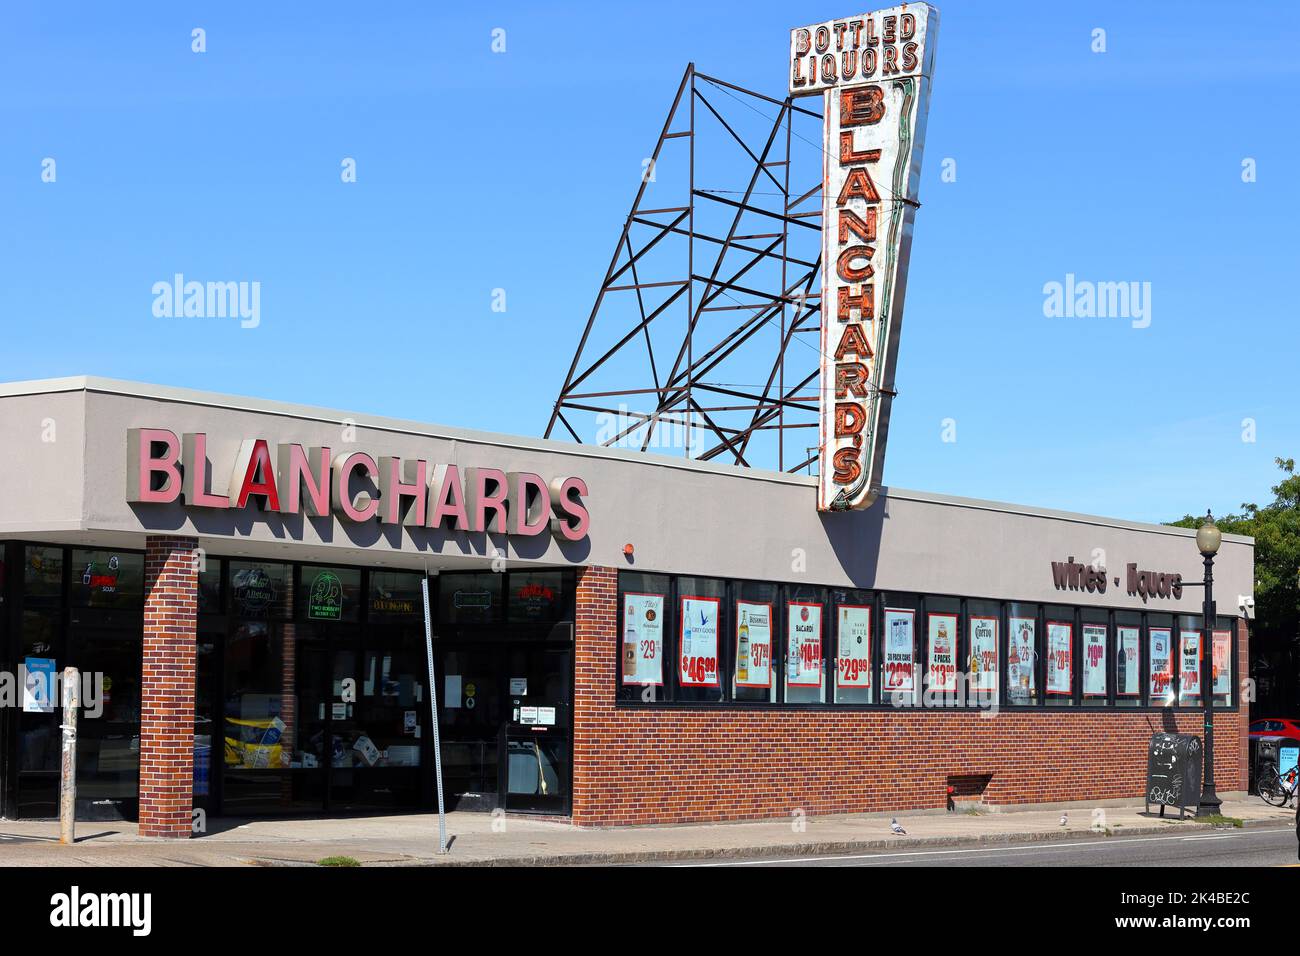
x: 1020, y: 658
x: 1222, y: 647
x: 853, y: 638
x: 753, y: 645
x: 1128, y: 663
x: 1161, y: 670
x: 1060, y: 668
x: 643, y: 639
x: 698, y: 661
x: 898, y: 649
x: 984, y: 654
x: 804, y: 655
x: 942, y: 674
x: 1189, y: 668
x: 1094, y: 660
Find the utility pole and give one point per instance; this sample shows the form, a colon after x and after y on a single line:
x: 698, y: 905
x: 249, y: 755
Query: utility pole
x: 71, y: 697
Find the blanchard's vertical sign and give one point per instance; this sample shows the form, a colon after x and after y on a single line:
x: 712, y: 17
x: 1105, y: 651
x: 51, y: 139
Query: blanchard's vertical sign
x: 874, y: 72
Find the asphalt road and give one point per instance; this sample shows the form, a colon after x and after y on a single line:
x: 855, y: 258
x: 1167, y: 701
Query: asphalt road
x: 1273, y: 846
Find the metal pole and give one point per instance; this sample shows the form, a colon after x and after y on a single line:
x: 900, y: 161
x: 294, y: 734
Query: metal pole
x: 433, y: 709
x: 71, y: 698
x: 1210, y: 804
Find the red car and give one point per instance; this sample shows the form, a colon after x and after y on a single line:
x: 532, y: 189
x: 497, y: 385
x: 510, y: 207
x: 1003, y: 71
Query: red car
x: 1275, y: 727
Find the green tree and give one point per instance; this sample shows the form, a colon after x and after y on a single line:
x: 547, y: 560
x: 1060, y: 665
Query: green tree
x: 1275, y: 634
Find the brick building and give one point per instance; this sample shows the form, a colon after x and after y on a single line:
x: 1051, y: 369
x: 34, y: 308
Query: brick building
x: 618, y: 637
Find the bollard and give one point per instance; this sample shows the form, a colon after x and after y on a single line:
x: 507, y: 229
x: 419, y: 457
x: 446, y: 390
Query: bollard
x: 68, y: 779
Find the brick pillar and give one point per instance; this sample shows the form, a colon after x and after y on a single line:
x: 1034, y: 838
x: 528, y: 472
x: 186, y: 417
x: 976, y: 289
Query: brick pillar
x: 595, y: 656
x: 171, y: 581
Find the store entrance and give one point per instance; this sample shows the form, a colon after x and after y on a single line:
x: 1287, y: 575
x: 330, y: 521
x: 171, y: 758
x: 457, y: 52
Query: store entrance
x: 506, y: 718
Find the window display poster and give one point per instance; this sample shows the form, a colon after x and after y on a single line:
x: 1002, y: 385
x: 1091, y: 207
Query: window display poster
x: 1161, y: 669
x: 38, y: 685
x: 1222, y: 646
x: 804, y: 655
x: 699, y: 637
x: 984, y: 654
x: 1060, y: 668
x: 942, y: 670
x: 853, y: 640
x: 643, y: 639
x: 898, y: 649
x: 1020, y: 658
x: 1189, y: 668
x: 1094, y: 660
x: 1127, y: 662
x: 753, y: 645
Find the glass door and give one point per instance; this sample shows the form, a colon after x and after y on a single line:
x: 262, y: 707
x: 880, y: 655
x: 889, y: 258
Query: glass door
x: 472, y: 710
x: 538, y: 750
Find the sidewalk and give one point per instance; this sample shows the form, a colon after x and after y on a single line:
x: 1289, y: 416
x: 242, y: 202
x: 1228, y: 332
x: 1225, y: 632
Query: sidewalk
x: 481, y: 839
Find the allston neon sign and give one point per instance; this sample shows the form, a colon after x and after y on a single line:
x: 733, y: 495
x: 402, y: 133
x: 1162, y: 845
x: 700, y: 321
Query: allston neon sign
x: 292, y: 479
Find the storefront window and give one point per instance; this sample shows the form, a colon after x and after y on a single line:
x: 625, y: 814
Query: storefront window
x: 1023, y: 655
x: 805, y: 645
x: 329, y: 594
x: 1191, y: 650
x: 106, y: 579
x: 210, y: 577
x: 754, y: 637
x: 854, y: 640
x: 1160, y: 657
x: 644, y: 623
x: 701, y: 621
x: 536, y: 597
x: 42, y: 576
x: 470, y: 598
x: 1223, y: 661
x: 1128, y: 658
x: 900, y: 684
x: 942, y: 637
x: 1094, y: 660
x: 259, y: 590
x: 395, y: 595
x: 983, y: 666
x: 1058, y: 682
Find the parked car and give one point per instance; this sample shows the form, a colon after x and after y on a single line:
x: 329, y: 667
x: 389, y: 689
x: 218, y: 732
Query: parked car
x: 1275, y: 727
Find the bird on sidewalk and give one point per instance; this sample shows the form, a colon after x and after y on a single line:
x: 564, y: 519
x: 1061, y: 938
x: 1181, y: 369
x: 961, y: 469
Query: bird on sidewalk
x: 895, y: 828
x: 1065, y: 819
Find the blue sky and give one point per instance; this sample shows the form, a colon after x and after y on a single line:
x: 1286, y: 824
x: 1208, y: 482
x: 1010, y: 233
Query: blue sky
x: 478, y: 170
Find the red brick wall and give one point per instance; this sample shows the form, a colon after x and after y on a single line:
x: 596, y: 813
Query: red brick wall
x: 167, y: 687
x: 671, y: 765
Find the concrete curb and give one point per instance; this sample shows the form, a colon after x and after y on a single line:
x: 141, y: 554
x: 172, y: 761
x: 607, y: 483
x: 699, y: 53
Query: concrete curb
x: 790, y: 850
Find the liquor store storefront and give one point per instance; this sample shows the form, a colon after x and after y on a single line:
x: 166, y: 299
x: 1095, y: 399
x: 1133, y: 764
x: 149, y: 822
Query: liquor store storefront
x: 618, y: 638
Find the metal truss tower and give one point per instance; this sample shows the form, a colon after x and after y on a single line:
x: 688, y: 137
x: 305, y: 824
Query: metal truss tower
x: 704, y: 336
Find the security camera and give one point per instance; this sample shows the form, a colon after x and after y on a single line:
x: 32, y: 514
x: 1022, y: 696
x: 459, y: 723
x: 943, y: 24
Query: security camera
x: 1246, y: 604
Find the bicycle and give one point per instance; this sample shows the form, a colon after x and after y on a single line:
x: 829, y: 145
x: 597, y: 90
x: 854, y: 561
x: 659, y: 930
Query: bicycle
x: 1277, y: 789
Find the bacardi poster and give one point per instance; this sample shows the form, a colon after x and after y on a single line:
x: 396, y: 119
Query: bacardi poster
x: 942, y: 672
x: 899, y: 645
x: 804, y: 654
x: 1021, y: 656
x: 753, y: 644
x: 1128, y: 662
x: 1060, y: 665
x: 698, y: 657
x: 984, y: 654
x: 853, y: 640
x: 1161, y: 665
x: 873, y: 72
x: 1189, y: 668
x: 1094, y: 660
x: 1222, y: 646
x: 643, y: 639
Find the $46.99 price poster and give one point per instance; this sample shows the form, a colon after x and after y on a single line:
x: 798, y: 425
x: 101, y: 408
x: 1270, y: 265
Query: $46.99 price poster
x: 698, y: 656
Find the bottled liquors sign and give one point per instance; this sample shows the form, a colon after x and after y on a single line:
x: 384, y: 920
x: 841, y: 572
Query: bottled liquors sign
x: 873, y: 72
